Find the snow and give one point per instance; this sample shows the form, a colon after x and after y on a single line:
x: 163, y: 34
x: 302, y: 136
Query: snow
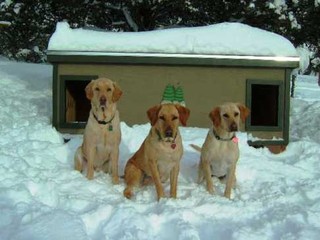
x: 42, y: 197
x: 5, y: 23
x: 217, y: 39
x: 305, y: 55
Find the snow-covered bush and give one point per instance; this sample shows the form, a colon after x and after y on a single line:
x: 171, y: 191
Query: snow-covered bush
x: 31, y: 26
x: 33, y: 22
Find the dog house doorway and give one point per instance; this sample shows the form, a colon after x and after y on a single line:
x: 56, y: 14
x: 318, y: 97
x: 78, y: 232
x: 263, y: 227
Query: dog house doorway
x: 76, y: 105
x: 265, y: 99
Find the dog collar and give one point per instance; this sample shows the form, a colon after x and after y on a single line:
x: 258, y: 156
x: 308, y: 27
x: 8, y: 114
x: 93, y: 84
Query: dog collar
x: 104, y: 122
x: 233, y: 138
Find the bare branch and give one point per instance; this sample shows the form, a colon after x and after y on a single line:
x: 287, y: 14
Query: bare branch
x: 129, y: 19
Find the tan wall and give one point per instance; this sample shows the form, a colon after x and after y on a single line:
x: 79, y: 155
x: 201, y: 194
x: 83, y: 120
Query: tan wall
x: 204, y: 87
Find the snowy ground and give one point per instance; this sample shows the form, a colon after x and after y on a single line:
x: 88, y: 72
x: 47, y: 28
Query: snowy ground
x: 42, y: 197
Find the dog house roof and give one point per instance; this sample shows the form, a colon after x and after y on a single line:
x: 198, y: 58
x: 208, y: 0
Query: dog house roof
x: 219, y: 41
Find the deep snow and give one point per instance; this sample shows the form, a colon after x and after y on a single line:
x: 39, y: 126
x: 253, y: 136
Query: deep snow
x: 42, y: 197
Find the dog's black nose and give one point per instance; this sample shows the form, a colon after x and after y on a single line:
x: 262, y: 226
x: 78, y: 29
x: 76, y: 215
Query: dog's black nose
x: 169, y: 132
x: 233, y: 127
x: 103, y: 101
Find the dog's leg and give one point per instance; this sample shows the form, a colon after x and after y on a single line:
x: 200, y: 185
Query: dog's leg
x: 174, y: 180
x: 156, y: 178
x: 78, y: 160
x: 205, y: 165
x: 132, y: 177
x: 90, y: 161
x: 231, y: 178
x: 200, y: 173
x: 114, y: 158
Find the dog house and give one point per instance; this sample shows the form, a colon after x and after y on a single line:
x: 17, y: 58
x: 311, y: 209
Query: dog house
x: 228, y: 62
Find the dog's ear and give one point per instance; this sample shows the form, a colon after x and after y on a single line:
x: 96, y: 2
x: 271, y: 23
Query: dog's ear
x: 244, y: 111
x: 184, y: 114
x: 88, y: 90
x: 153, y: 114
x: 214, y: 115
x: 116, y: 93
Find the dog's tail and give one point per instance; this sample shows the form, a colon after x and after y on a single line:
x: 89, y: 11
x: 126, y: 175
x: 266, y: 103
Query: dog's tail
x: 197, y: 148
x: 200, y: 173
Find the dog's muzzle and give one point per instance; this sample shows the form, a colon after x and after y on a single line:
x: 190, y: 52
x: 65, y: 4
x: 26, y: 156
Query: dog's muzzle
x: 103, y: 101
x: 233, y: 127
x: 169, y: 133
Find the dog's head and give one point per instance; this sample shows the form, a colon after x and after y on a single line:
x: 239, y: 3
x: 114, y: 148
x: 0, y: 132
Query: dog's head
x: 165, y: 118
x: 102, y: 92
x: 228, y: 116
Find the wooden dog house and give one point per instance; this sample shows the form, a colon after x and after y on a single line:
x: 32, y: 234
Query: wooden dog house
x: 260, y: 82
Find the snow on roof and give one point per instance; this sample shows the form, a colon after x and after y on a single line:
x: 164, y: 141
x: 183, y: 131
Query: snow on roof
x: 218, y: 39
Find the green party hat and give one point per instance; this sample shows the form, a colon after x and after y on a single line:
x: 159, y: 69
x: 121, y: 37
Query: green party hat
x: 168, y: 94
x: 179, y: 96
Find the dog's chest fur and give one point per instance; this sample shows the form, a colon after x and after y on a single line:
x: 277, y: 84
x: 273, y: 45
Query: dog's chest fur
x: 221, y: 155
x: 166, y: 156
x: 104, y: 147
x: 102, y: 139
x: 166, y: 161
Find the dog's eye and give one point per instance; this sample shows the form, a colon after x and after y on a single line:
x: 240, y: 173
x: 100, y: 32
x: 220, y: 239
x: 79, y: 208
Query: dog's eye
x: 236, y: 114
x: 174, y: 118
x: 162, y: 118
x: 225, y: 115
x: 109, y: 89
x: 97, y: 89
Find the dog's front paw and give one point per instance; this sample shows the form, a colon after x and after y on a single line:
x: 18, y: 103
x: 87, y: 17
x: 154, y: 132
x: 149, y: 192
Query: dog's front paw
x: 173, y: 195
x: 210, y: 190
x: 227, y: 194
x: 90, y: 176
x: 115, y: 180
x: 90, y: 172
x: 160, y: 195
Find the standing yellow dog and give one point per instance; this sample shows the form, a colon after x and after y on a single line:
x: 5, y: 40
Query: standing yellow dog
x: 100, y: 147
